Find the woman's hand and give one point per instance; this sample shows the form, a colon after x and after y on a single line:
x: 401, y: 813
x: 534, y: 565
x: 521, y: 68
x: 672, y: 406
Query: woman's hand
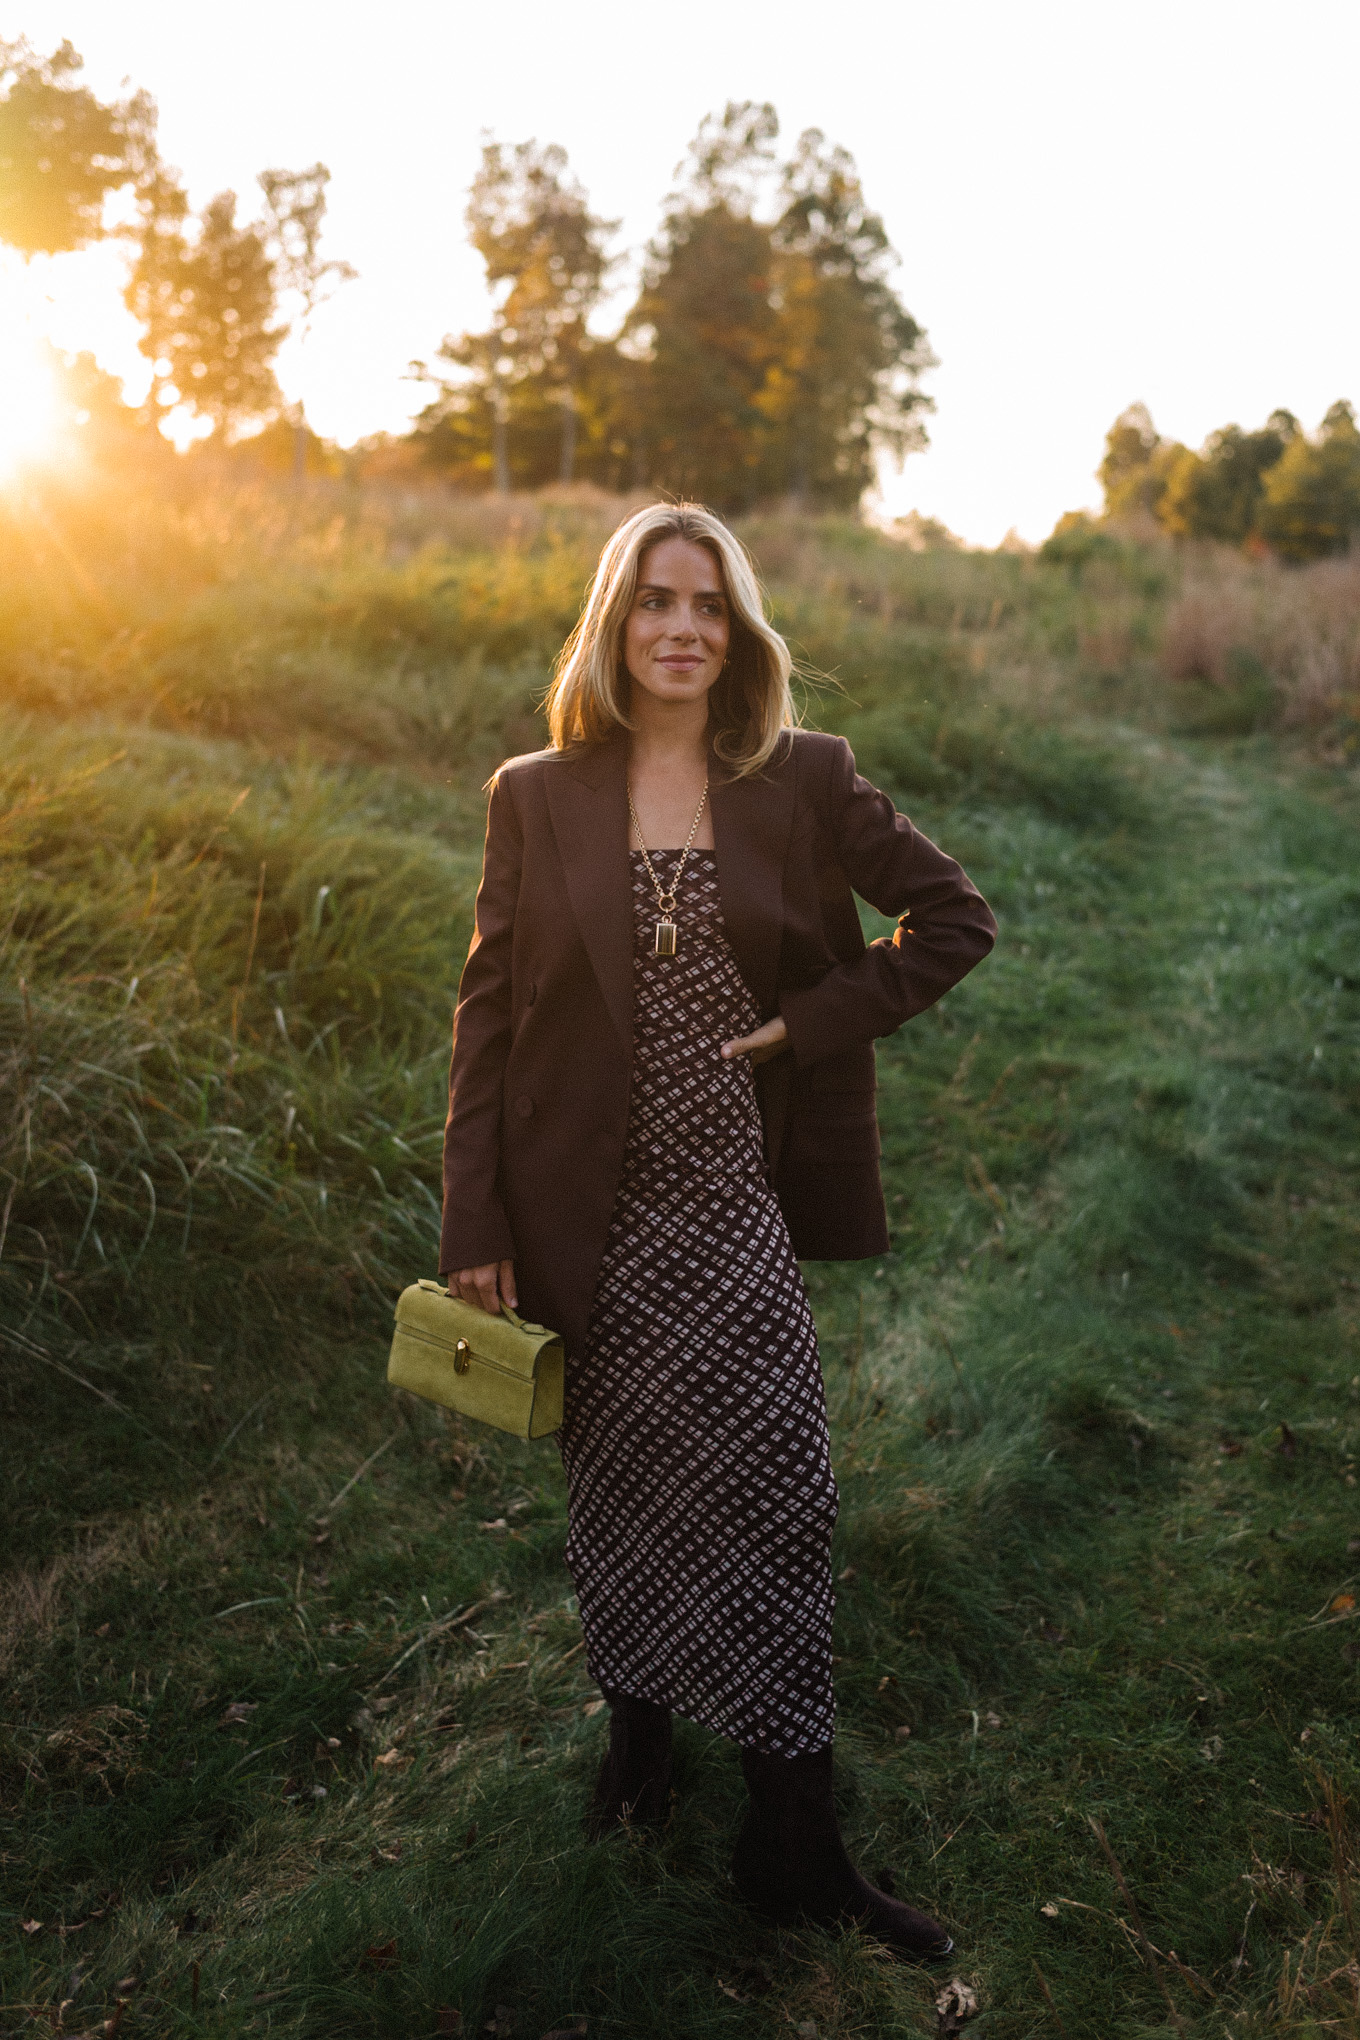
x: 486, y: 1287
x: 760, y: 1046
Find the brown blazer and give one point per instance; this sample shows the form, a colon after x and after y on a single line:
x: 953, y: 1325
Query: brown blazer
x: 543, y: 1032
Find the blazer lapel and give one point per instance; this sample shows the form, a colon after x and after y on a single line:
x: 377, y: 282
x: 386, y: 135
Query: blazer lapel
x: 587, y: 798
x: 752, y: 821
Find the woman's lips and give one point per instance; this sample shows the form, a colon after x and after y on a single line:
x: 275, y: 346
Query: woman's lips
x: 681, y: 665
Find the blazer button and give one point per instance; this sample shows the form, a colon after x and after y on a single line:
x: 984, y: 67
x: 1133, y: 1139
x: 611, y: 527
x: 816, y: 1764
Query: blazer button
x: 524, y: 1107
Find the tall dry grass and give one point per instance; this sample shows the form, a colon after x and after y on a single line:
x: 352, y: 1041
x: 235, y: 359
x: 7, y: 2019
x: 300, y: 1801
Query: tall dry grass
x: 1298, y: 626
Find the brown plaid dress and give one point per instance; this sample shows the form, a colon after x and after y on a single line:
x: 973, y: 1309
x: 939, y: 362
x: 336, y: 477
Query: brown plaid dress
x: 698, y: 1462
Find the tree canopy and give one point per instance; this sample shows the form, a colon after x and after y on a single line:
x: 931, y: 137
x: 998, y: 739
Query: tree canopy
x: 206, y: 304
x: 765, y: 352
x: 1276, y: 487
x: 62, y: 150
x: 546, y: 261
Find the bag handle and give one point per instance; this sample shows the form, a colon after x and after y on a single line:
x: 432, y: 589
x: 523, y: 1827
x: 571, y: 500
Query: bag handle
x: 442, y: 1289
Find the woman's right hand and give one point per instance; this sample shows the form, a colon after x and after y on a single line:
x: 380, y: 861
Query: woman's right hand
x: 486, y: 1287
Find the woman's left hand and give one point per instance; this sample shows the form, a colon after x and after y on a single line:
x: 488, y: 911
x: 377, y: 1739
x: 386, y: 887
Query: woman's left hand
x: 760, y: 1046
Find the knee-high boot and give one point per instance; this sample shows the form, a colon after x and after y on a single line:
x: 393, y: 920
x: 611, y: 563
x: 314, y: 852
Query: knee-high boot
x: 635, y: 1778
x: 790, y: 1860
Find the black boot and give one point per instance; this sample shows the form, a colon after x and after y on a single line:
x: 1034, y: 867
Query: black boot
x: 634, y: 1784
x: 790, y: 1860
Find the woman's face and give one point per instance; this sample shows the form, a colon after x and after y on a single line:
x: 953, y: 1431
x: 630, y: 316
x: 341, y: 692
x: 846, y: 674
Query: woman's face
x: 679, y: 627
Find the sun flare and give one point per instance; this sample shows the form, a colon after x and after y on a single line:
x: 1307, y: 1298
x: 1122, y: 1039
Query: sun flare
x: 29, y: 410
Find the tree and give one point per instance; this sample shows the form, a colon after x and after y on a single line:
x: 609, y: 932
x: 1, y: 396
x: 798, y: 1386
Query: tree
x: 1217, y: 493
x: 295, y: 207
x: 205, y: 302
x: 1311, y: 503
x: 1138, y: 465
x: 779, y: 357
x: 704, y: 323
x: 846, y: 379
x: 62, y: 151
x: 525, y: 378
x: 766, y: 350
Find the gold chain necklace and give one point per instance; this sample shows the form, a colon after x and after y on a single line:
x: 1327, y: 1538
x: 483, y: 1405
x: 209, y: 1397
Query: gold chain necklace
x: 665, y: 898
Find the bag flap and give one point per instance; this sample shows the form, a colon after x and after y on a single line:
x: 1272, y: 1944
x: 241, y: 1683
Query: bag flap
x: 427, y: 1309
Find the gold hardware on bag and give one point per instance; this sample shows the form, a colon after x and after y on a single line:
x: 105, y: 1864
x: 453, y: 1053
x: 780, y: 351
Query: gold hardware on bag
x: 461, y: 1362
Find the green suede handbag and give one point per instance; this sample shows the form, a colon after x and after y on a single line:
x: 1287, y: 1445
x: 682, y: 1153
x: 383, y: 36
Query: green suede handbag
x: 498, y: 1370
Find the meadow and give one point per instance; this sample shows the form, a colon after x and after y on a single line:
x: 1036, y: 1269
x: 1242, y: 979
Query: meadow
x: 296, y: 1736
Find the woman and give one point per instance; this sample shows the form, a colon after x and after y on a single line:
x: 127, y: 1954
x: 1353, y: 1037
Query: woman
x: 662, y: 1092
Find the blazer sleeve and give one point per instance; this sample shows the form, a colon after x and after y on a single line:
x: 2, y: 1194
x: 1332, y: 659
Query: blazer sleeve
x: 475, y: 1229
x: 944, y: 925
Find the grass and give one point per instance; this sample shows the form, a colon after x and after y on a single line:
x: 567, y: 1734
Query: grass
x: 286, y: 1750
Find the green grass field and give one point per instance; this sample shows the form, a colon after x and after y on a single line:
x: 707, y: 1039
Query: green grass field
x: 296, y: 1734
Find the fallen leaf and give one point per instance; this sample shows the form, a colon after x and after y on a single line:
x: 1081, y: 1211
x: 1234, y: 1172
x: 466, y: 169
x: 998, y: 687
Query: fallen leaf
x: 1289, y: 1444
x: 1050, y: 1912
x: 499, y: 1524
x: 592, y: 1707
x: 1175, y: 1331
x: 239, y: 1711
x: 848, y: 1574
x: 388, y: 1701
x: 738, y: 1997
x: 125, y: 1987
x: 1212, y: 1750
x: 903, y: 1731
x: 392, y: 1855
x: 954, y: 2007
x: 103, y: 1629
x: 888, y: 1679
x: 392, y: 1760
x: 470, y: 1837
x: 1232, y: 1448
x: 806, y: 2030
x: 992, y: 1720
x: 382, y: 1955
x: 30, y: 1926
x: 1343, y: 1604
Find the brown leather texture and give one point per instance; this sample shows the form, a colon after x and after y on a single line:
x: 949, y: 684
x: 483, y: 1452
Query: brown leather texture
x: 543, y: 1031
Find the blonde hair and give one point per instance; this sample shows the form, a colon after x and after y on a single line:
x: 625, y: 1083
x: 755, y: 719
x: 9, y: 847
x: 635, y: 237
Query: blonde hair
x: 750, y: 705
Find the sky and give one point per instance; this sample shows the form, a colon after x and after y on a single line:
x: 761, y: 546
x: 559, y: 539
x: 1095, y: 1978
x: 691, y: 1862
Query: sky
x: 1093, y: 203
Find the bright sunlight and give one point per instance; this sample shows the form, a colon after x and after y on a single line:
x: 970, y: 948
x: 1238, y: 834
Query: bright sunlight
x: 30, y: 416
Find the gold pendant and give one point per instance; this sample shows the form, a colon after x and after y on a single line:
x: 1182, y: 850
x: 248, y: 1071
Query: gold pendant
x: 665, y: 938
